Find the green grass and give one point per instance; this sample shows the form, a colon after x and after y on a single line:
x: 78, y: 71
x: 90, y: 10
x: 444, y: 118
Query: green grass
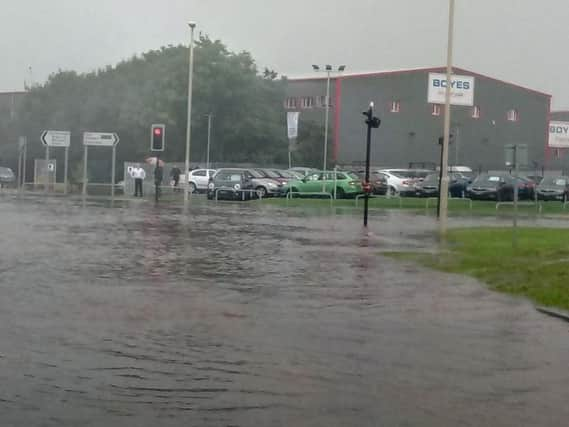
x: 417, y: 204
x: 537, y: 269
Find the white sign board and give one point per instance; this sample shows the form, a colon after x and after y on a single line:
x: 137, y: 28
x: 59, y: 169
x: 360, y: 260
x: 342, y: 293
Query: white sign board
x: 462, y: 91
x: 100, y: 139
x: 56, y: 138
x: 292, y: 124
x: 558, y: 135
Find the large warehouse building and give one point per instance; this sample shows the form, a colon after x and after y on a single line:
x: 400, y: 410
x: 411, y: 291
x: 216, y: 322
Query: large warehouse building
x: 502, y: 113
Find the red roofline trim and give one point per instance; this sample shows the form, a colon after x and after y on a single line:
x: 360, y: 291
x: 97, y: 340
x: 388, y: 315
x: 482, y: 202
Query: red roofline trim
x: 423, y: 70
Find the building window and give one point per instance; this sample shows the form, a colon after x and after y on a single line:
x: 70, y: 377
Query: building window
x: 476, y: 112
x: 395, y: 106
x: 436, y: 110
x: 321, y: 101
x: 290, y: 103
x: 513, y: 115
x: 307, y: 102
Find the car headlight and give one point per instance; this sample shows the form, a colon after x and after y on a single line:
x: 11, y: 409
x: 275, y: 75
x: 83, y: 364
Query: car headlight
x: 271, y: 184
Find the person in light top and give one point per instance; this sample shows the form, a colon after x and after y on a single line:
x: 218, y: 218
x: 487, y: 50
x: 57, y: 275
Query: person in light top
x: 138, y: 175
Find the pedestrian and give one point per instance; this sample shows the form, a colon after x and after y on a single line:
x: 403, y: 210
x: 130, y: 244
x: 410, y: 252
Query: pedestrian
x: 158, y: 178
x: 175, y: 175
x: 139, y: 175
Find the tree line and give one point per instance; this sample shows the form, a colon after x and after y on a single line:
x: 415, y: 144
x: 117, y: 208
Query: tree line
x: 247, y: 104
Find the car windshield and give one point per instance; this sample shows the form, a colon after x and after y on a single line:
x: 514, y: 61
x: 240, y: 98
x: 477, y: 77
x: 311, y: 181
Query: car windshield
x: 5, y: 171
x: 432, y: 179
x: 555, y: 181
x: 255, y: 173
x: 228, y: 176
x: 488, y: 179
x: 271, y: 174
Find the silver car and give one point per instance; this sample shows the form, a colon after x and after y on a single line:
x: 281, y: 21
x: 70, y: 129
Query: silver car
x: 251, y: 179
x: 6, y: 177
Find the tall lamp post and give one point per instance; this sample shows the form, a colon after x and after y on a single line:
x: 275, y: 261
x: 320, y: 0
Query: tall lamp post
x: 192, y: 26
x: 328, y: 69
x: 209, y: 124
x: 446, y: 135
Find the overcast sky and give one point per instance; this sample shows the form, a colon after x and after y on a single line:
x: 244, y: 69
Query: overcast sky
x: 523, y: 41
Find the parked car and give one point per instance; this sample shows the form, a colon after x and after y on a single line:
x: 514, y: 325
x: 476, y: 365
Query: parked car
x: 526, y: 188
x: 273, y: 174
x: 198, y: 179
x: 7, y: 177
x: 430, y: 185
x: 231, y: 184
x: 377, y: 180
x: 491, y: 187
x: 346, y: 184
x: 553, y: 188
x: 401, y: 181
x: 265, y: 187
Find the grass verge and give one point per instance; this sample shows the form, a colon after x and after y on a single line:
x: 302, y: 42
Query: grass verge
x: 537, y: 269
x: 458, y: 207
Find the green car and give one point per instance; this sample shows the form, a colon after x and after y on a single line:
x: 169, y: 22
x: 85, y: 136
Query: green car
x: 347, y: 184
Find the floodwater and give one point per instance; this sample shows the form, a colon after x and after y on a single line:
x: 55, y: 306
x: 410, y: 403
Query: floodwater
x: 226, y: 315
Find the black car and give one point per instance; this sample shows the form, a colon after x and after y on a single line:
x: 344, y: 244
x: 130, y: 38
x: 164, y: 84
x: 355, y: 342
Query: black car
x: 430, y: 185
x: 491, y: 187
x: 231, y: 184
x: 553, y: 188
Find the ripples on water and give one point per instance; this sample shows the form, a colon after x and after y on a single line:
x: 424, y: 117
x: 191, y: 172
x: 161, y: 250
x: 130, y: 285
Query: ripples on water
x: 229, y: 315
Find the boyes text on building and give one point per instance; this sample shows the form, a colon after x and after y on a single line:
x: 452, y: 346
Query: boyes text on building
x: 500, y: 113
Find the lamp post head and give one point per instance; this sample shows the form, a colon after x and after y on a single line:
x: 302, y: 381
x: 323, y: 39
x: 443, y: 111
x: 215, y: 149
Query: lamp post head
x: 192, y: 24
x: 328, y: 68
x: 341, y: 68
x: 315, y: 67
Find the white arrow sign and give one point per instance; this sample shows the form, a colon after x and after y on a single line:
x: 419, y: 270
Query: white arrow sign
x: 56, y: 138
x: 100, y: 139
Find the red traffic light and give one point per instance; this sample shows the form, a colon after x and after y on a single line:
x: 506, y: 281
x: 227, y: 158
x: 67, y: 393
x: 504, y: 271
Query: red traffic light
x: 157, y: 131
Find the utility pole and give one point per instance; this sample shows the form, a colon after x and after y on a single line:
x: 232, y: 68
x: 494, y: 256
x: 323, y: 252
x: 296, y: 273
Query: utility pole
x: 189, y: 124
x: 209, y: 124
x: 444, y: 184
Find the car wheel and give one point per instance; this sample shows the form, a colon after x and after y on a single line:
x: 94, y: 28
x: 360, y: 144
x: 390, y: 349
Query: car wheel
x: 192, y: 187
x: 393, y: 191
x: 340, y: 193
x: 261, y: 192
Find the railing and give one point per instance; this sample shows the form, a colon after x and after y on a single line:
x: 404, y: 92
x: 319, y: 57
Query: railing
x: 463, y: 199
x: 362, y: 196
x: 539, y: 206
x: 290, y: 195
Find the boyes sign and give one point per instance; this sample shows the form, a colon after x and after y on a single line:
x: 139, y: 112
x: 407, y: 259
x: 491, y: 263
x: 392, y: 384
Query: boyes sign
x: 461, y: 93
x: 558, y: 134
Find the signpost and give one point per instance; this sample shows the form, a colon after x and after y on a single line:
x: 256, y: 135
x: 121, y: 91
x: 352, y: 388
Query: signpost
x: 516, y: 156
x: 57, y: 139
x: 99, y: 139
x: 22, y: 149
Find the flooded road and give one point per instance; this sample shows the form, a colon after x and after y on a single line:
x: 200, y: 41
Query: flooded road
x: 227, y: 315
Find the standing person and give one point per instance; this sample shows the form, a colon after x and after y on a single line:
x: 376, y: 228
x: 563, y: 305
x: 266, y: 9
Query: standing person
x: 158, y: 177
x: 139, y: 175
x: 175, y: 175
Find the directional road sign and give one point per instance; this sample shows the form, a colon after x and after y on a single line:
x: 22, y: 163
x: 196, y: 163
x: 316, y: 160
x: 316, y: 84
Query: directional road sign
x: 100, y: 139
x: 56, y: 138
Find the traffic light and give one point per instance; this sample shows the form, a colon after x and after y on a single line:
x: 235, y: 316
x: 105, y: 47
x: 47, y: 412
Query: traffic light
x: 158, y: 138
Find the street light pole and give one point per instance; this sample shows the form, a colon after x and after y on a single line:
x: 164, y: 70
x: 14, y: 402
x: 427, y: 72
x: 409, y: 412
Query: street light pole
x: 189, y: 123
x: 209, y: 123
x: 327, y: 119
x: 444, y: 184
